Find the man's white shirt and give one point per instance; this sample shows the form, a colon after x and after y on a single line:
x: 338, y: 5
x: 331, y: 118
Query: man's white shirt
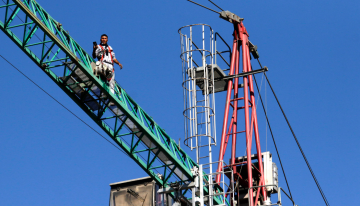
x: 107, y: 58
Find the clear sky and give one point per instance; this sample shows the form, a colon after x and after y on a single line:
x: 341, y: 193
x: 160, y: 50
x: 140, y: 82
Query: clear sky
x: 310, y: 47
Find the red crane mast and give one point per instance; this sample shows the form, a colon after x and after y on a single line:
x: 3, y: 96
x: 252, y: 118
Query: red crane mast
x: 241, y: 47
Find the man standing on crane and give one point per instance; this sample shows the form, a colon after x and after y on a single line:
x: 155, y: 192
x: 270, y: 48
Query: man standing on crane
x: 106, y: 58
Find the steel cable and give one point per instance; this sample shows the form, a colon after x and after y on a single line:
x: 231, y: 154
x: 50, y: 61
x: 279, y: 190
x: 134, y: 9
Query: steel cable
x: 203, y: 6
x: 299, y: 146
x: 76, y: 115
x: 66, y: 107
x: 62, y: 105
x: 217, y: 6
x: 272, y: 135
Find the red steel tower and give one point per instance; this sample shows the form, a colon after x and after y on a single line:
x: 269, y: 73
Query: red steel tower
x: 242, y: 101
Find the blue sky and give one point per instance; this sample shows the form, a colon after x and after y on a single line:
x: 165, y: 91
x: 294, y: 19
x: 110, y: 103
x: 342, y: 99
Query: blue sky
x: 310, y: 47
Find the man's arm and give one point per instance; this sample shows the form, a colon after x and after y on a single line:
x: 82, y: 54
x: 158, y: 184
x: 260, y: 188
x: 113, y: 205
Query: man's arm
x: 118, y: 63
x: 114, y: 58
x: 94, y: 53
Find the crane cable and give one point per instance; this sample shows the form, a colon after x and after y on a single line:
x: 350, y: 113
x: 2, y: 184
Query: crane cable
x: 272, y: 135
x: 298, y: 144
x: 63, y: 105
x: 67, y: 108
x: 75, y: 114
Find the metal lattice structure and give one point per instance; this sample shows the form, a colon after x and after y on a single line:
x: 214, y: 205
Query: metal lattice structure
x: 45, y: 41
x: 50, y: 47
x: 227, y: 193
x: 199, y: 96
x: 242, y: 97
x: 198, y: 69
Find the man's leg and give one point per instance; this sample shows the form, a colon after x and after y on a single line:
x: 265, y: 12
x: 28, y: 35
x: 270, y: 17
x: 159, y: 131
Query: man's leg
x: 112, y: 83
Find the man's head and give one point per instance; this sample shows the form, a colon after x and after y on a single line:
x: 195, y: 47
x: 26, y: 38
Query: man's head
x: 104, y: 39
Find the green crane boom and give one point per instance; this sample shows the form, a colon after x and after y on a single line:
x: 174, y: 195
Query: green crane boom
x: 44, y: 40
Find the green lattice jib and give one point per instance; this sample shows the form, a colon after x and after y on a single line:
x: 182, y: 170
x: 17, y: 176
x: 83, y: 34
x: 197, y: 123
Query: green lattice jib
x: 45, y: 41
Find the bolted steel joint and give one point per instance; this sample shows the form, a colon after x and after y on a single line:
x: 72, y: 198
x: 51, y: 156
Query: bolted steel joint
x: 58, y: 26
x: 253, y: 50
x: 43, y: 66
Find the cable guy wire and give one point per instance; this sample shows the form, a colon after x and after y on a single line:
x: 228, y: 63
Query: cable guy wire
x: 272, y: 135
x: 298, y: 144
x: 62, y: 105
x: 74, y: 113
x: 216, y: 5
x: 204, y: 6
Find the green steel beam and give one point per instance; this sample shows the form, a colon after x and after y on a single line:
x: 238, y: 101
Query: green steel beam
x: 45, y: 42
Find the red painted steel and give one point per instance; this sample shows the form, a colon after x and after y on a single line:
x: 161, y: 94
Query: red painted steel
x: 227, y: 105
x: 254, y: 117
x: 236, y: 93
x: 241, y: 49
x: 243, y: 37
